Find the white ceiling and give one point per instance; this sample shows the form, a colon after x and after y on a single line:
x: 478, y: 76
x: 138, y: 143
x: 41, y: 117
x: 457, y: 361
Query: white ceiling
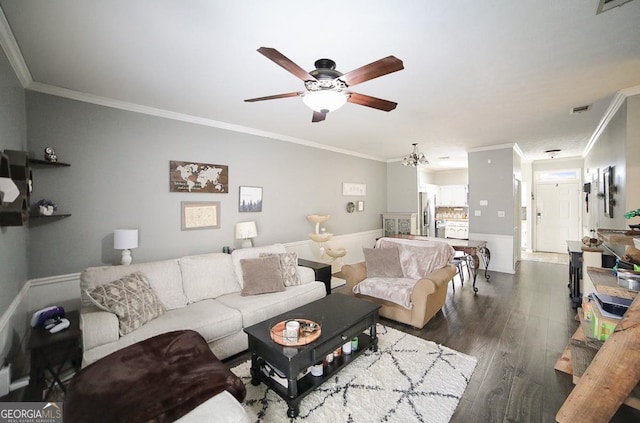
x: 477, y: 73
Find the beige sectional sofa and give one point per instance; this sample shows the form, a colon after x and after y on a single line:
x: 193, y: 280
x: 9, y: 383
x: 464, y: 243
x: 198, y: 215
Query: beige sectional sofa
x: 202, y: 293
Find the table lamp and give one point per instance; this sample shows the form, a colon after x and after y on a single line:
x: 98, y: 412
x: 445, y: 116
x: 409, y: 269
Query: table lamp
x: 125, y: 240
x: 246, y: 231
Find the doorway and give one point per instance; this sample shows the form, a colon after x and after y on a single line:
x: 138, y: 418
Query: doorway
x: 557, y: 210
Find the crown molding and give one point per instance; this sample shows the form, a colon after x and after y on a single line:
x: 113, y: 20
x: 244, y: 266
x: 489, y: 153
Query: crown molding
x: 167, y: 114
x: 614, y: 106
x: 14, y: 55
x: 495, y: 147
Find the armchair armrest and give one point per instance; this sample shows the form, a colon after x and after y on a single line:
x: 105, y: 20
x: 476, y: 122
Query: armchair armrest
x: 354, y: 273
x: 98, y: 328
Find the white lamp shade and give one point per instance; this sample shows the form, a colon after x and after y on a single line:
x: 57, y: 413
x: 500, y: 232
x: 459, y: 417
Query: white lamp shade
x: 125, y: 239
x: 324, y: 100
x: 9, y: 190
x: 245, y: 230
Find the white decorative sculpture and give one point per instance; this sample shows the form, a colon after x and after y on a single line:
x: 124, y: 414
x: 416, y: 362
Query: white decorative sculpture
x: 321, y: 236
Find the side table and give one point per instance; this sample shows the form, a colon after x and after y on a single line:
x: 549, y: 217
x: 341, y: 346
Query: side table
x: 321, y: 270
x: 50, y: 356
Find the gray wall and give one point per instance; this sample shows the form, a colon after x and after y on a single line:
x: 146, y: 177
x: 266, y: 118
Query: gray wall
x: 13, y: 136
x: 119, y: 178
x: 609, y: 150
x: 492, y: 182
x: 451, y: 177
x: 402, y: 188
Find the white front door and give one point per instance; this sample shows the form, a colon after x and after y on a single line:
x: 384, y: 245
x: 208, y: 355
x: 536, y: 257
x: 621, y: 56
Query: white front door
x: 557, y: 215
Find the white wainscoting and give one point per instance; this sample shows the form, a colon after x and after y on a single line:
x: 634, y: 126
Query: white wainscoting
x: 353, y: 243
x: 63, y: 290
x: 13, y: 323
x: 501, y: 248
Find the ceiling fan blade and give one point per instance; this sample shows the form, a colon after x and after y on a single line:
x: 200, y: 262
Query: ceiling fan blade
x: 367, y: 100
x: 288, y: 65
x: 318, y: 117
x: 372, y: 70
x: 274, y: 97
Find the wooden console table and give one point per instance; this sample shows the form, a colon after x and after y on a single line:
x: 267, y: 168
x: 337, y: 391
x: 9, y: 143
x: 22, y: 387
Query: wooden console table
x: 612, y: 367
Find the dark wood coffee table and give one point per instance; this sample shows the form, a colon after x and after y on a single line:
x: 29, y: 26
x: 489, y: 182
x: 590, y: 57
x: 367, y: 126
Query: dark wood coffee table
x: 341, y: 317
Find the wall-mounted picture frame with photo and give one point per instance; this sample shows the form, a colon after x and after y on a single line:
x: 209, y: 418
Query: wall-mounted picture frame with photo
x: 250, y: 199
x: 200, y: 215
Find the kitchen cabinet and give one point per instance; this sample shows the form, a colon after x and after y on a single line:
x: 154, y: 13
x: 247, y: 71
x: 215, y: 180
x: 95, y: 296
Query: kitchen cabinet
x: 456, y: 230
x: 452, y: 195
x: 400, y: 224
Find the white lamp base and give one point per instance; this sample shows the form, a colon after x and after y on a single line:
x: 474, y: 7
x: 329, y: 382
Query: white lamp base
x: 126, y: 257
x: 247, y: 243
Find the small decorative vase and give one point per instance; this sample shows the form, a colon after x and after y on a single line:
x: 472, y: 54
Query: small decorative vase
x: 46, y: 210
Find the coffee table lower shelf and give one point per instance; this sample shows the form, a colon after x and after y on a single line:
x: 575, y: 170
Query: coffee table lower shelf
x: 308, y: 383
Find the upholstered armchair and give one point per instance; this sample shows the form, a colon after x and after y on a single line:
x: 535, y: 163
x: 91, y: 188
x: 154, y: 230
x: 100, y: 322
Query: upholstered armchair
x: 427, y: 295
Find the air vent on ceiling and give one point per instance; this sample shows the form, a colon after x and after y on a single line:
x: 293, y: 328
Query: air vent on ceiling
x: 580, y: 109
x: 604, y: 5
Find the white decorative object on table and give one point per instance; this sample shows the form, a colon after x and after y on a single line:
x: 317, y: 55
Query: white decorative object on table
x: 636, y: 243
x: 125, y: 240
x: 321, y: 236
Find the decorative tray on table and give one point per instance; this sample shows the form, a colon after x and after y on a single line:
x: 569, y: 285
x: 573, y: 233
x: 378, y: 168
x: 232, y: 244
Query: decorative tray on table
x: 309, y: 332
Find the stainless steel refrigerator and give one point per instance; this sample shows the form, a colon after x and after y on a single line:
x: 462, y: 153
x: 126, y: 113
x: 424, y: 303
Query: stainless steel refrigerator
x: 427, y: 213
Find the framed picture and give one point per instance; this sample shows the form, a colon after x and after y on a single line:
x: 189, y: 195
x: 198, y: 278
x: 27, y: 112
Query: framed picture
x: 198, y: 177
x: 360, y: 206
x: 250, y: 199
x: 350, y: 188
x: 200, y: 215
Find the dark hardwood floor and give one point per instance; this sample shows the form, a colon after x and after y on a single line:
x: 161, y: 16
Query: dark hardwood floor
x: 517, y: 327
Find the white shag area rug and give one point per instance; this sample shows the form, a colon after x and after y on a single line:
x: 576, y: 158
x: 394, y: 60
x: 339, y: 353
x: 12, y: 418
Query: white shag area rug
x: 408, y: 379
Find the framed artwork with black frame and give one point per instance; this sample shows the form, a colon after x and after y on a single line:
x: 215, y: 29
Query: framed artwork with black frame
x: 250, y: 199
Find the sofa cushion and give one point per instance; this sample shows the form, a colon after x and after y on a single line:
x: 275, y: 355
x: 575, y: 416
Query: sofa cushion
x: 289, y: 267
x: 395, y: 290
x: 382, y: 262
x: 210, y: 318
x: 247, y: 253
x: 261, y: 275
x: 131, y: 299
x: 258, y: 308
x: 208, y: 276
x: 163, y: 276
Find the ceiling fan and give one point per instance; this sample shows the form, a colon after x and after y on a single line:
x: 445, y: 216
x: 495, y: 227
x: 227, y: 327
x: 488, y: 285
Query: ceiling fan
x: 326, y: 88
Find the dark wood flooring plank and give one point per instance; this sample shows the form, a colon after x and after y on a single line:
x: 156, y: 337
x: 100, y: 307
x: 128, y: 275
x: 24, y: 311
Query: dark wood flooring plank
x: 525, y: 402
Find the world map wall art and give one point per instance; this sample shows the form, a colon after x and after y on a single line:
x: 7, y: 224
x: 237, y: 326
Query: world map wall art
x: 198, y: 177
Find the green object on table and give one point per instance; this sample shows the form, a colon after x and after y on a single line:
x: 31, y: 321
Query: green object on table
x: 636, y: 268
x: 632, y: 213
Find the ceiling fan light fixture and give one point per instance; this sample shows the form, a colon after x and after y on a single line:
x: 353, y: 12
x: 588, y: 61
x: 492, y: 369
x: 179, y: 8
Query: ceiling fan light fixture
x: 415, y: 158
x: 552, y: 153
x: 324, y: 101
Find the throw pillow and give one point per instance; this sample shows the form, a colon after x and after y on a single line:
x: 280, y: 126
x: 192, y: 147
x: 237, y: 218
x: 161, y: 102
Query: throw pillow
x: 261, y: 275
x: 382, y: 263
x: 131, y: 299
x: 289, y: 266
